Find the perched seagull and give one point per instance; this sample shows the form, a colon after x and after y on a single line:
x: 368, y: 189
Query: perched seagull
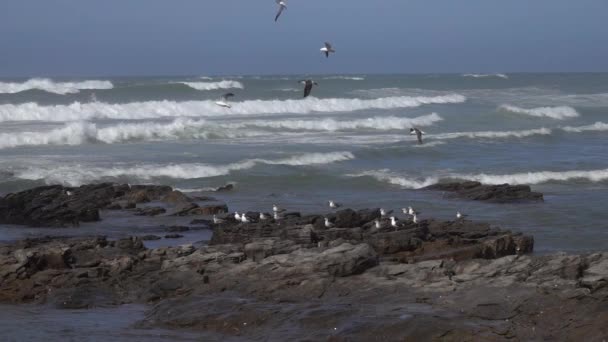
x: 460, y: 216
x: 217, y: 220
x: 377, y: 224
x: 237, y: 216
x: 308, y: 86
x: 418, y: 133
x: 276, y: 216
x: 224, y: 101
x: 282, y: 5
x: 327, y: 49
x: 415, y: 218
x: 405, y: 211
x: 411, y: 211
x: 394, y: 222
x: 263, y: 217
x: 328, y: 224
x: 334, y: 205
x: 276, y: 209
x: 244, y: 218
x: 68, y: 192
x: 383, y: 212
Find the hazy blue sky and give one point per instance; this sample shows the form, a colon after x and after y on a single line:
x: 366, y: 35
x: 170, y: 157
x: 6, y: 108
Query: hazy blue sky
x: 168, y: 37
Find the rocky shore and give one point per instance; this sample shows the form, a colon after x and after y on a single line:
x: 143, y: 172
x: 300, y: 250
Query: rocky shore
x: 295, y: 279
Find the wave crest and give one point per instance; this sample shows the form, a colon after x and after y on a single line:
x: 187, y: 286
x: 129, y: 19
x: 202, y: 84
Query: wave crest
x: 486, y: 75
x: 559, y: 113
x: 225, y: 84
x: 159, y: 109
x: 598, y: 126
x: 61, y: 88
x: 76, y: 174
x: 530, y: 178
x: 332, y: 125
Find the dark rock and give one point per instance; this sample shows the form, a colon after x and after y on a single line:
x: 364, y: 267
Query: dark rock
x: 178, y: 229
x: 176, y: 197
x: 209, y: 210
x: 149, y: 211
x: 56, y: 205
x: 150, y: 237
x: 476, y: 191
x: 173, y: 236
x: 227, y: 187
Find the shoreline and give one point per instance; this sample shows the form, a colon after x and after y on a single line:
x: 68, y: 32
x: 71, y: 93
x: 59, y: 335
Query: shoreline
x: 295, y: 278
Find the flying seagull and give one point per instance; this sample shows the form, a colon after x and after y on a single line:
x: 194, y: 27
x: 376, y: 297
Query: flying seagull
x: 282, y: 5
x: 224, y: 101
x: 308, y: 86
x: 418, y: 133
x: 327, y: 49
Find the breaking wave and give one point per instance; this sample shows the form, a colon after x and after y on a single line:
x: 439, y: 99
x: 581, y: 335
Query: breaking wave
x: 376, y: 123
x: 494, y: 134
x: 559, y: 113
x: 61, y: 88
x: 486, y: 75
x: 349, y: 78
x: 77, y: 174
x: 159, y: 109
x: 536, y: 177
x: 226, y: 84
x: 598, y: 126
x: 78, y: 133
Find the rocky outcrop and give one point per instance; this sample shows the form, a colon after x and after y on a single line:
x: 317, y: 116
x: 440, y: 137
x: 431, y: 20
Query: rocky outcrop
x: 57, y: 206
x: 428, y: 239
x: 476, y: 191
x: 345, y: 289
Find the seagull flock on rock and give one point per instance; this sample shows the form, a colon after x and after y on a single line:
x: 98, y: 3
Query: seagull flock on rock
x: 410, y: 214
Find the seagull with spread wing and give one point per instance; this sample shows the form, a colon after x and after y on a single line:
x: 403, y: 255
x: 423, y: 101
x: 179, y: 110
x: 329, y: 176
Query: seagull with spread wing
x: 308, y: 86
x: 282, y: 5
x: 327, y: 49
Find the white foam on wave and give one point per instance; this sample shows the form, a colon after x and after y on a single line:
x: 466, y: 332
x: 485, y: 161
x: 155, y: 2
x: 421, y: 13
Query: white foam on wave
x: 50, y: 86
x: 159, y: 109
x: 346, y: 78
x: 486, y: 75
x: 78, y: 174
x: 598, y: 126
x: 391, y: 178
x: 225, y: 84
x: 78, y: 133
x: 537, y: 177
x: 493, y: 134
x: 332, y: 125
x: 559, y: 113
x: 534, y: 177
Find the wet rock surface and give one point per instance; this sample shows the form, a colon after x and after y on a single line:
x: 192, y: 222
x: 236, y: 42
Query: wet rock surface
x: 294, y: 279
x: 476, y: 191
x: 59, y: 206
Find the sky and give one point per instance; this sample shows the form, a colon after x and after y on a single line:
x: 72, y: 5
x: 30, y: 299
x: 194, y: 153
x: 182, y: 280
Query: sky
x: 215, y: 37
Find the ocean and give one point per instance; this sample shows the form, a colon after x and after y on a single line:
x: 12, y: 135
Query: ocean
x: 349, y: 142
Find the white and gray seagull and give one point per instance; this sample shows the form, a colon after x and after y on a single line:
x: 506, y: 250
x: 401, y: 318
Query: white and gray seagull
x: 460, y: 216
x: 308, y: 86
x: 217, y: 220
x: 418, y: 133
x: 328, y: 224
x: 327, y: 49
x: 224, y: 101
x: 334, y: 205
x: 282, y: 5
